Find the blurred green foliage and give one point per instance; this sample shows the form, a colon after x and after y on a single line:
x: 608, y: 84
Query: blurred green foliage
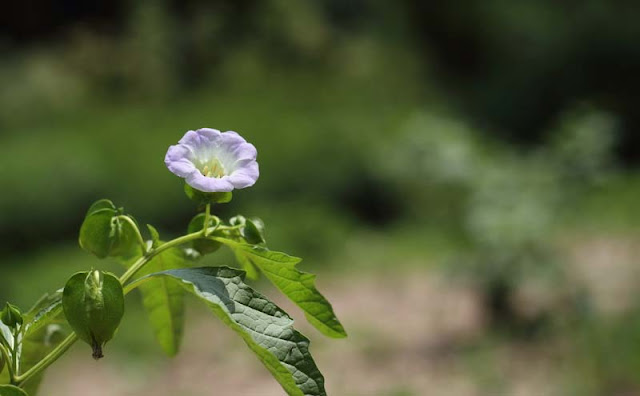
x: 372, y: 146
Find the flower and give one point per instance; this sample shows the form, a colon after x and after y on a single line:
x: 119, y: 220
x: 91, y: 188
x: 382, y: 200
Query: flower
x: 214, y: 161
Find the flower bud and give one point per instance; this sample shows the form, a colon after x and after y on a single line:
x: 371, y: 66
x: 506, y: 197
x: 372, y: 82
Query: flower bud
x: 11, y: 316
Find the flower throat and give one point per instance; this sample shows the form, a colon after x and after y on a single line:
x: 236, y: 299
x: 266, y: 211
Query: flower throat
x: 213, y: 168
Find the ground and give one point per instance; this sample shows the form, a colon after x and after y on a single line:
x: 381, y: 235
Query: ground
x: 419, y: 332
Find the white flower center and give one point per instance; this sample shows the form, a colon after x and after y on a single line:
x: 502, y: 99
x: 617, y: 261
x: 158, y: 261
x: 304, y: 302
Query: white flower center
x: 212, y: 168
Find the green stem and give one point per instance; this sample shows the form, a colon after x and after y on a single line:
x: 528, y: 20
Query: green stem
x: 9, y: 363
x: 154, y: 252
x: 50, y: 358
x: 72, y: 338
x: 132, y: 285
x: 207, y: 219
x: 16, y: 348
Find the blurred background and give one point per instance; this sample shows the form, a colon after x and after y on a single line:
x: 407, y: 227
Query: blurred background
x: 462, y: 175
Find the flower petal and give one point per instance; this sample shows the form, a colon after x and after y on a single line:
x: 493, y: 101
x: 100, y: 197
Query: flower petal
x: 190, y: 139
x: 246, y: 176
x: 177, y: 160
x: 204, y: 147
x: 230, y: 138
x: 209, y: 184
x: 209, y: 137
x: 245, y: 151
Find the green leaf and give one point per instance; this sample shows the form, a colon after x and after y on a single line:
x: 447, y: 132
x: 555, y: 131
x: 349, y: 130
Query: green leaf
x: 93, y: 303
x: 10, y: 390
x: 267, y: 330
x: 252, y: 271
x: 155, y: 236
x: 44, y: 328
x: 44, y: 312
x: 6, y: 335
x: 299, y: 286
x: 203, y: 198
x: 42, y: 331
x: 36, y: 346
x: 164, y: 300
x: 4, y: 377
x: 202, y: 245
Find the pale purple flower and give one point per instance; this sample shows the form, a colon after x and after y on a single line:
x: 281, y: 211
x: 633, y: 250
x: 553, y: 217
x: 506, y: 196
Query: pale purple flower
x: 214, y: 161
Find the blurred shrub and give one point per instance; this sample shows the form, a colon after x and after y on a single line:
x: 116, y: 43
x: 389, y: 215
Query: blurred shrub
x: 584, y: 145
x: 506, y: 201
x: 316, y: 131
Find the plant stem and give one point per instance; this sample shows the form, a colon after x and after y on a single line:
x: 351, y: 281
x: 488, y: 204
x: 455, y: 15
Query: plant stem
x: 72, y: 338
x: 8, y: 362
x: 132, y: 285
x: 154, y: 252
x: 47, y: 360
x: 207, y: 219
x: 17, y: 339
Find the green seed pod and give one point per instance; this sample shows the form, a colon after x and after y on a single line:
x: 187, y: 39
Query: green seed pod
x: 105, y: 233
x: 253, y: 231
x: 202, y: 246
x: 11, y: 316
x: 10, y: 390
x: 93, y: 303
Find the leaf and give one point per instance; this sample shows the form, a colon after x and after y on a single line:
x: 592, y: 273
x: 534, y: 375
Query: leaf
x: 164, y: 300
x: 155, y: 236
x: 299, y: 286
x: 36, y: 346
x: 10, y: 390
x: 44, y: 312
x: 8, y: 341
x: 267, y: 330
x: 43, y: 330
x: 6, y: 336
x: 252, y: 271
x: 93, y: 303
